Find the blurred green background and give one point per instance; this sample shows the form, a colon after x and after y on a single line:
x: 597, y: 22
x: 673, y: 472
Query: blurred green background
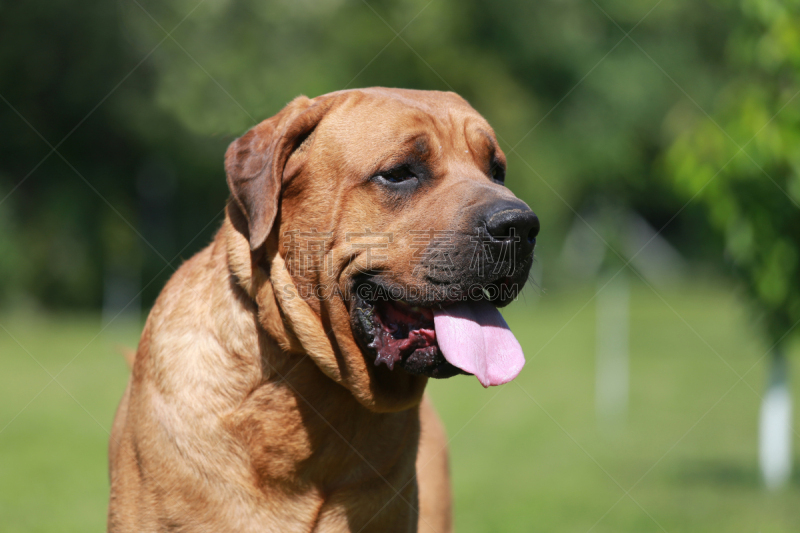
x: 658, y: 141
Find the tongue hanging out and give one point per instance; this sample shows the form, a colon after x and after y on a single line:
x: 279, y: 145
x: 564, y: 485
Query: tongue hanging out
x: 474, y: 337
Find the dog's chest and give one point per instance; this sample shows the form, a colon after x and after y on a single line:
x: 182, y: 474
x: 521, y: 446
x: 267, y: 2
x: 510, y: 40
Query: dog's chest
x: 323, y: 441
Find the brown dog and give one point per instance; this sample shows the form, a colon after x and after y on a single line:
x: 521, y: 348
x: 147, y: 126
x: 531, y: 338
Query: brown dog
x: 278, y: 384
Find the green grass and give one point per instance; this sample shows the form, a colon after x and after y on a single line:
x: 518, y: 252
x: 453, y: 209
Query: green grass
x: 534, y: 459
x: 525, y: 457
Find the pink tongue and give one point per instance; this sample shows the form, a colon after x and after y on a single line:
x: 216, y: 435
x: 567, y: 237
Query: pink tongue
x: 475, y: 338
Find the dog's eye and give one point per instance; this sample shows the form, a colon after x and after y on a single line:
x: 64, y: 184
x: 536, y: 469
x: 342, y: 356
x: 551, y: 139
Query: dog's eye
x: 397, y: 175
x: 498, y: 173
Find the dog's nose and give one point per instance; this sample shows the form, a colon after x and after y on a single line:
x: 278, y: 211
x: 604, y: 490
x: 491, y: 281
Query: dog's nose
x: 512, y: 220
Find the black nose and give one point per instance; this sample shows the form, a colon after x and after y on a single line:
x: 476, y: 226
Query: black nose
x: 512, y: 220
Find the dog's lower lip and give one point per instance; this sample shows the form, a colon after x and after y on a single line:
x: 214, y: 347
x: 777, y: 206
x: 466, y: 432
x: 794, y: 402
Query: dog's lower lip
x: 398, y: 332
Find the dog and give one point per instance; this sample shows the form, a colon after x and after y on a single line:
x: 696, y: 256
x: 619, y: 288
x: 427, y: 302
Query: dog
x: 278, y: 384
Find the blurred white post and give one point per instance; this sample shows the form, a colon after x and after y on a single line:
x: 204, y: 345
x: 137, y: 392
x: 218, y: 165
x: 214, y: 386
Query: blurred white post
x: 775, y: 427
x: 612, y: 365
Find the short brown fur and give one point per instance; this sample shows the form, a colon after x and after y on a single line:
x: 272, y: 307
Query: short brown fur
x: 252, y: 409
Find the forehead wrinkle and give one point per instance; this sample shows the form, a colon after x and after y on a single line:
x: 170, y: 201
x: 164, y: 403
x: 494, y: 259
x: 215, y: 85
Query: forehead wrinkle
x: 478, y: 150
x: 387, y: 140
x: 408, y: 144
x: 437, y: 118
x: 488, y: 136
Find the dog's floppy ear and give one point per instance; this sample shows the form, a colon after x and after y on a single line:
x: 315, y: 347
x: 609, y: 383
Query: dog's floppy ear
x: 254, y: 163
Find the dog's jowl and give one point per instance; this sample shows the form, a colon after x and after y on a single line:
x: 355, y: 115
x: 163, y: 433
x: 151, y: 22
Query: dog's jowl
x: 278, y: 384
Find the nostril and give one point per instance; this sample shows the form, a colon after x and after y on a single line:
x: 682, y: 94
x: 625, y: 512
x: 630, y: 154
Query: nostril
x: 534, y: 231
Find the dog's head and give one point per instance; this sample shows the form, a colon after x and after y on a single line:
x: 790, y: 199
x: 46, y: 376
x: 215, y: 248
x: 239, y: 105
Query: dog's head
x: 382, y: 228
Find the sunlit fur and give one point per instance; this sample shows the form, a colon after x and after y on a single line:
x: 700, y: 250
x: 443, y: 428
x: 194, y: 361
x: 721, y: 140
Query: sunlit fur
x: 249, y: 409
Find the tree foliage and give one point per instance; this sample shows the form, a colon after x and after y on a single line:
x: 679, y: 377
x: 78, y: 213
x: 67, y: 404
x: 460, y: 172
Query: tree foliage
x: 742, y: 161
x: 148, y: 94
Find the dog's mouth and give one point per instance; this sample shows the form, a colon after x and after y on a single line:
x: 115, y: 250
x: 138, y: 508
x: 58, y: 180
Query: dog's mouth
x: 396, y: 333
x: 439, y: 339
